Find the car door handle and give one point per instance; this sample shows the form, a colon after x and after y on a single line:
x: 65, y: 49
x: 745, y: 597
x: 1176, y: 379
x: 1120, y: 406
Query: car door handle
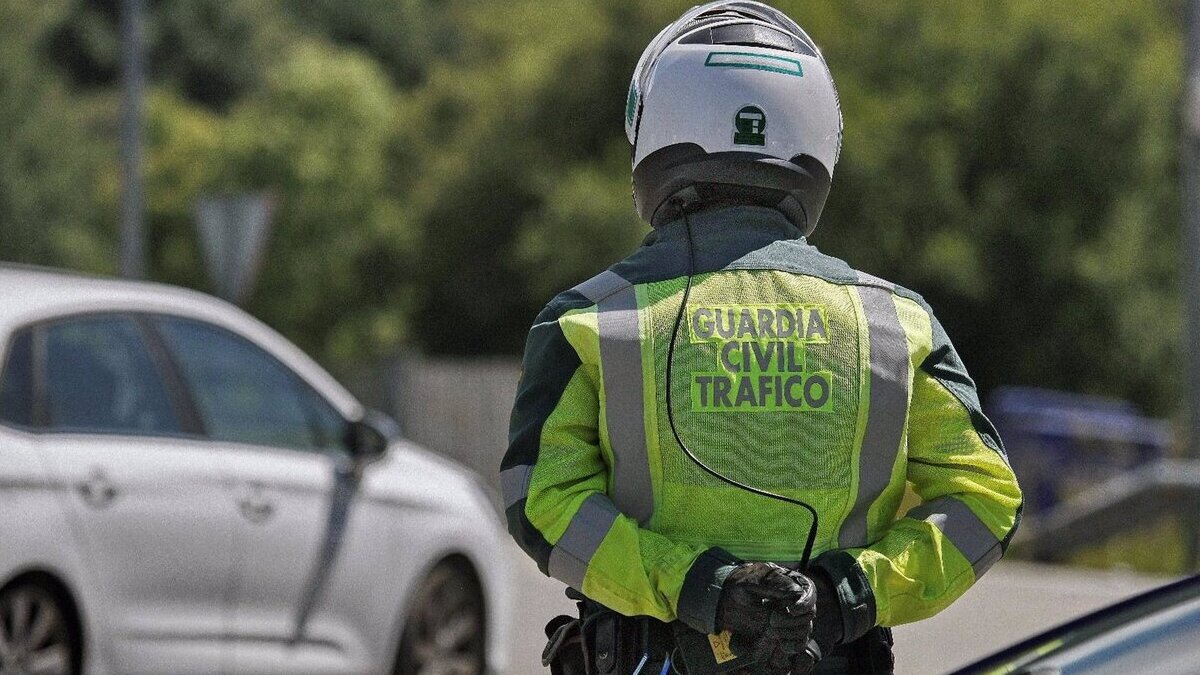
x: 256, y: 507
x: 97, y: 491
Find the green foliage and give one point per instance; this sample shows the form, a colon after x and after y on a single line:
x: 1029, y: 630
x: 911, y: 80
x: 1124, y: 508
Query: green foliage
x: 406, y: 36
x: 1016, y: 163
x: 214, y: 50
x: 1158, y: 547
x: 442, y: 168
x: 316, y: 137
x: 47, y: 158
x: 499, y: 137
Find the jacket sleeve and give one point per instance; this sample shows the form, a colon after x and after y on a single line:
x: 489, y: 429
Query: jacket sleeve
x: 971, y: 507
x: 554, y: 478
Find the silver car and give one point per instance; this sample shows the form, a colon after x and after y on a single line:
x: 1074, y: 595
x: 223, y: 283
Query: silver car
x: 184, y: 491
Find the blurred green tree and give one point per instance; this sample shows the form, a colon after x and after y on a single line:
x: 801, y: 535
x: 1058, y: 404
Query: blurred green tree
x: 443, y: 167
x: 213, y: 51
x: 48, y: 153
x: 512, y: 184
x: 1013, y: 161
x: 1016, y: 162
x: 316, y: 137
x: 405, y: 36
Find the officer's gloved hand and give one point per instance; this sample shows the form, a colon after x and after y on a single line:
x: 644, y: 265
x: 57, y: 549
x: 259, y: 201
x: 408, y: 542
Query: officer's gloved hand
x: 773, y: 608
x: 827, y: 625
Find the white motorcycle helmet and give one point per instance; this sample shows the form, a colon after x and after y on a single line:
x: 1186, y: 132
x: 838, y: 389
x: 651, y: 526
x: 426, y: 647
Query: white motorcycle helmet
x: 733, y: 102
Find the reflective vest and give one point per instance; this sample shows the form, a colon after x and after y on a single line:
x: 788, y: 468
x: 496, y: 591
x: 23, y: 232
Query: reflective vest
x: 792, y: 373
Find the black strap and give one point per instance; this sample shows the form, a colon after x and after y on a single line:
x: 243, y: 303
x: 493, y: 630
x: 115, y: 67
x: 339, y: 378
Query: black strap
x: 606, y: 643
x: 558, y: 631
x: 565, y: 653
x: 871, y: 654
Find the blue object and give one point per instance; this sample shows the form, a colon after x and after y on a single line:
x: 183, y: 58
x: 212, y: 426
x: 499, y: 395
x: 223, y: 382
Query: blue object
x: 1060, y: 443
x: 666, y: 666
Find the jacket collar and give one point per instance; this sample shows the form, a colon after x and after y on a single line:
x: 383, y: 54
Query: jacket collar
x: 720, y: 236
x: 730, y: 223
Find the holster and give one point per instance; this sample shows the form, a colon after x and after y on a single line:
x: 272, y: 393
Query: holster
x: 603, y: 642
x: 872, y: 654
x: 564, y: 653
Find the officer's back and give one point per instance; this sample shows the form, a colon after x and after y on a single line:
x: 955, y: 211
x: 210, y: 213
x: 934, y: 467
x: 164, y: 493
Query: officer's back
x: 771, y: 377
x: 684, y: 415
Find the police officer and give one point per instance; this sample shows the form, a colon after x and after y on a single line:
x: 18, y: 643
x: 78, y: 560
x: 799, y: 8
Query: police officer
x: 678, y: 411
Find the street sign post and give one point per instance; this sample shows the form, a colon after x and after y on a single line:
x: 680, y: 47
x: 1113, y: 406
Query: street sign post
x: 1191, y: 230
x: 1191, y: 260
x: 133, y: 69
x: 233, y: 235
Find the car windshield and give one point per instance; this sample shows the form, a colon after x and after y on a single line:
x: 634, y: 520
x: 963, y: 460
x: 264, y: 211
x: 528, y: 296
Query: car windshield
x: 1166, y: 643
x: 1160, y: 629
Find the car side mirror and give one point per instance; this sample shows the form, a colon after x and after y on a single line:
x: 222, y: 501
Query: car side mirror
x: 371, y: 435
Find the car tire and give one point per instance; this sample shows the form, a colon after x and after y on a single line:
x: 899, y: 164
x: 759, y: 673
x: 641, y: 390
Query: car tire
x: 445, y: 627
x: 37, y: 634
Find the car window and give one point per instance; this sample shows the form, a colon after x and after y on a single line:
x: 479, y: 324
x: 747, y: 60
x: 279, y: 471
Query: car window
x: 242, y: 393
x: 100, y: 377
x: 16, y: 381
x: 329, y: 427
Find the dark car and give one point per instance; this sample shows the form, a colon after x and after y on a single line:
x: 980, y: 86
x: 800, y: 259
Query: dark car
x: 1156, y: 632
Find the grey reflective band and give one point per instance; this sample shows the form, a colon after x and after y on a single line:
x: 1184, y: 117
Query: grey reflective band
x: 964, y: 529
x: 601, y: 286
x: 625, y: 410
x: 570, y: 557
x: 888, y: 412
x: 514, y: 484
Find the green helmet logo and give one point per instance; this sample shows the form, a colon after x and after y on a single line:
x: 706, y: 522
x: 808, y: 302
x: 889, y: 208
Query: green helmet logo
x: 750, y: 126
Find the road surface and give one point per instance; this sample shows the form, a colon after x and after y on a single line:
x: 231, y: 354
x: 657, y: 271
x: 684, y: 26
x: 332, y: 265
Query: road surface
x: 1015, y: 600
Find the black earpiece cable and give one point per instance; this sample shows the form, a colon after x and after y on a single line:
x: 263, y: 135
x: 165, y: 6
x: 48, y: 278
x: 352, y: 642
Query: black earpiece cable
x: 687, y: 291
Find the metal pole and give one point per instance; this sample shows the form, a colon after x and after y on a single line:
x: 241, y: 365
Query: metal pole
x: 1191, y: 268
x: 133, y: 68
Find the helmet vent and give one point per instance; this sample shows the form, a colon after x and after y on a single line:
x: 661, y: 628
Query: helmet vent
x: 749, y: 35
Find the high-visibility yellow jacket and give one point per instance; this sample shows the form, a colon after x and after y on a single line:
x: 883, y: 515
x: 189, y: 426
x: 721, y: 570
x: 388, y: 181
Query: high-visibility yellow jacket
x: 792, y: 373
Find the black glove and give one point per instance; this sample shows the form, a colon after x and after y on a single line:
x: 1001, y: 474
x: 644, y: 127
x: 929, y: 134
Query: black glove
x: 827, y: 625
x: 771, y: 607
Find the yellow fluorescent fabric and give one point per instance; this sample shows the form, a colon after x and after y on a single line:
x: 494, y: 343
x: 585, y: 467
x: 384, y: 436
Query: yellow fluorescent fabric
x: 634, y: 571
x: 786, y: 376
x: 914, y: 569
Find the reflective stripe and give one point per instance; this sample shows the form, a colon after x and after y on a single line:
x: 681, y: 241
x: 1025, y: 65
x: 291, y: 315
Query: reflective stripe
x: 621, y: 370
x: 964, y: 529
x: 601, y: 286
x: 890, y: 382
x: 514, y: 484
x: 570, y: 557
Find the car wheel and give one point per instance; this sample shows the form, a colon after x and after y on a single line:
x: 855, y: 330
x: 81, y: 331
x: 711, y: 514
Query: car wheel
x: 35, y: 636
x: 445, y: 632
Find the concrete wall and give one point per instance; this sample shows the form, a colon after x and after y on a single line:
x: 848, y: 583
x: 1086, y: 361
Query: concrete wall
x: 457, y: 407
